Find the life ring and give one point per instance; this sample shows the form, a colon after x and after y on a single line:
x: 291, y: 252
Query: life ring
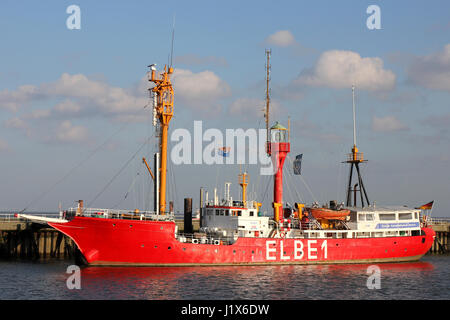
x: 282, y: 228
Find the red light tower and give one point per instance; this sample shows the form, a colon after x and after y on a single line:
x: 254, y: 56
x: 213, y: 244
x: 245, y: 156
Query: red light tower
x: 279, y: 148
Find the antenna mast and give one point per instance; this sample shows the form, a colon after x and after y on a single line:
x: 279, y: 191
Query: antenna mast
x: 266, y: 114
x: 354, y: 117
x: 173, y: 36
x: 354, y: 159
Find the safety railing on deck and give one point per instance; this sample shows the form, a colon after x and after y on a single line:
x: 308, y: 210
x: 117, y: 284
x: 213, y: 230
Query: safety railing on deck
x: 204, y: 239
x: 9, y: 217
x: 119, y: 214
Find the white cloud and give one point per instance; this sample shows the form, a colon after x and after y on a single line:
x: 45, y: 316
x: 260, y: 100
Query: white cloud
x: 282, y: 38
x: 342, y: 69
x: 79, y: 92
x: 252, y: 108
x: 196, y: 60
x: 387, y: 124
x: 431, y: 71
x: 109, y: 99
x: 13, y: 100
x: 200, y: 91
x: 4, y: 146
x: 16, y: 123
x: 67, y: 107
x: 66, y: 132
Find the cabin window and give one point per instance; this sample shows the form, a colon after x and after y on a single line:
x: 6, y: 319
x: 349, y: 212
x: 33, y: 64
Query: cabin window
x: 369, y: 217
x: 239, y: 213
x: 227, y: 212
x: 405, y: 216
x: 361, y: 217
x: 415, y: 215
x: 217, y: 212
x: 222, y: 212
x: 387, y: 216
x: 251, y: 213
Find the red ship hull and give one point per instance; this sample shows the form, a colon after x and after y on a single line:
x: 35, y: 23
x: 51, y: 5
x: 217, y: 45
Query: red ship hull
x: 133, y: 242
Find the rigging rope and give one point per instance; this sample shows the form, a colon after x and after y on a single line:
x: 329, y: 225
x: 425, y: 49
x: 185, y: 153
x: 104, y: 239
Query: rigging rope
x: 291, y: 178
x: 74, y: 168
x: 304, y: 182
x: 120, y: 171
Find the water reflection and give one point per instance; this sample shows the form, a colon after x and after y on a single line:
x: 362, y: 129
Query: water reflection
x: 251, y: 282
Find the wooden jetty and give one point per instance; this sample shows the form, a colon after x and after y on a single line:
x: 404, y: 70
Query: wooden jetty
x: 442, y: 229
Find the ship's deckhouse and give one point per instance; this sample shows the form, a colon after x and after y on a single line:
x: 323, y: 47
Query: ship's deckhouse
x: 384, y: 220
x: 235, y: 221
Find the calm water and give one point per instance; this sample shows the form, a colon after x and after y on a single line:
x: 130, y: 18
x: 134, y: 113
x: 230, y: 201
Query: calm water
x: 427, y: 279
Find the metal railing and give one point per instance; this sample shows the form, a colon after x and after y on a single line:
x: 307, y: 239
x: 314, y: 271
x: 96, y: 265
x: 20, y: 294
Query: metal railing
x: 204, y: 239
x: 443, y: 220
x: 11, y: 217
x: 118, y: 214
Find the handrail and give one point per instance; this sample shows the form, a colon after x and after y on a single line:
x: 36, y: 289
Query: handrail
x: 120, y: 214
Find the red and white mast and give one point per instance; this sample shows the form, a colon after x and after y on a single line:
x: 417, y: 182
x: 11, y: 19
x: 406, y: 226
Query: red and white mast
x: 278, y: 147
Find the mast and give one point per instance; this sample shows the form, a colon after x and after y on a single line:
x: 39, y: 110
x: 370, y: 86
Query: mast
x: 243, y: 182
x: 354, y: 117
x: 354, y: 159
x: 163, y: 91
x: 266, y: 114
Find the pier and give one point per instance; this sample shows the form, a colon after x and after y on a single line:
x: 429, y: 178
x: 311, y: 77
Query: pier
x: 33, y: 241
x: 442, y: 228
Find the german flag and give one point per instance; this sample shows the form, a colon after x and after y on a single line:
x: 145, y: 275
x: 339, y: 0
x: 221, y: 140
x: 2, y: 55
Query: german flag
x: 427, y: 206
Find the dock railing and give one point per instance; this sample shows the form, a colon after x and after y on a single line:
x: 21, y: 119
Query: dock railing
x: 438, y: 220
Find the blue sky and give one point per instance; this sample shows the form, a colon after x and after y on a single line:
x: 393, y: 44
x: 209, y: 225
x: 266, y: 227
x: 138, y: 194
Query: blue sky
x: 63, y: 93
